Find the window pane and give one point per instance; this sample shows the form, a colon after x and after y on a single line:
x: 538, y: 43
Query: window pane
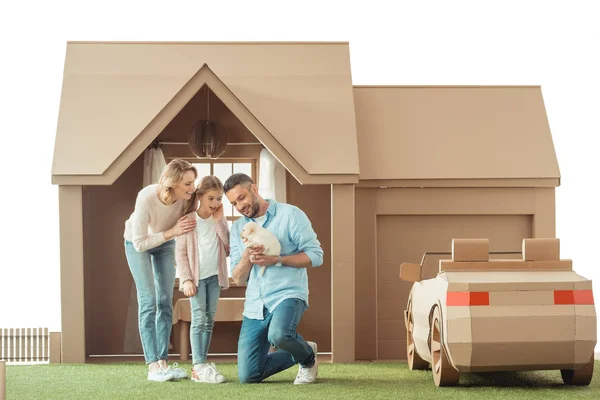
x: 244, y: 168
x: 203, y: 170
x: 223, y: 171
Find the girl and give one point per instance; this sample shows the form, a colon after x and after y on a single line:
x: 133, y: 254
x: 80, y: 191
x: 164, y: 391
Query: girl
x: 158, y: 217
x: 202, y: 268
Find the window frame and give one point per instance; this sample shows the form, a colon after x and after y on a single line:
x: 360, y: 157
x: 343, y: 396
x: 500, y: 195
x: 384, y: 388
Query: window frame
x: 252, y: 161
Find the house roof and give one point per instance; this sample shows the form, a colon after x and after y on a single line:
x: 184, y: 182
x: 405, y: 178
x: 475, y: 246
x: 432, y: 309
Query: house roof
x: 453, y: 132
x: 117, y: 97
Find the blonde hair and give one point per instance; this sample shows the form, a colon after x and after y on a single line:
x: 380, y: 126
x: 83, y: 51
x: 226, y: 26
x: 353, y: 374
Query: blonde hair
x: 171, y: 176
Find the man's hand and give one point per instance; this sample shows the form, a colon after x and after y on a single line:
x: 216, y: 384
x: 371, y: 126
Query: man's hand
x: 256, y: 256
x: 189, y: 289
x: 263, y: 260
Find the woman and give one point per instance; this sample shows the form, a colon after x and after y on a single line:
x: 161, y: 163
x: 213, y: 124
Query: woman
x: 202, y: 265
x: 158, y: 217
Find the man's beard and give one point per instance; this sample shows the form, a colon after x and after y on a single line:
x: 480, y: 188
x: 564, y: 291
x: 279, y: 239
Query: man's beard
x: 255, y: 206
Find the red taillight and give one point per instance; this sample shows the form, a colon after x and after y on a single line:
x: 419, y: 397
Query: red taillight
x: 468, y: 299
x: 582, y: 297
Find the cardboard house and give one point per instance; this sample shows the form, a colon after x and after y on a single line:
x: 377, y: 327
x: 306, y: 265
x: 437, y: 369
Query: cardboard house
x: 384, y: 173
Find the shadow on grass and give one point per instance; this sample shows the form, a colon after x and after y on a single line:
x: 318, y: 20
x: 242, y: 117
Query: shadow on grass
x: 519, y: 380
x: 530, y: 380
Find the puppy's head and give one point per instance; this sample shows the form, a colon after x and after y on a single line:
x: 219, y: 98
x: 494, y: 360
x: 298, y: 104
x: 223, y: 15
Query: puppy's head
x: 248, y: 230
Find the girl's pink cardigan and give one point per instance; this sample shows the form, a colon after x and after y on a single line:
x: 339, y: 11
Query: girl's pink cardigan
x: 186, y: 254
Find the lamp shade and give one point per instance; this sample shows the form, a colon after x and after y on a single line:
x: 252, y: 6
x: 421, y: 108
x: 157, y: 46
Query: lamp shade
x: 207, y: 139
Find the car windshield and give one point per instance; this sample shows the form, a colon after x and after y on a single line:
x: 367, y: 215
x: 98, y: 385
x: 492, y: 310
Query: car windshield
x: 430, y: 263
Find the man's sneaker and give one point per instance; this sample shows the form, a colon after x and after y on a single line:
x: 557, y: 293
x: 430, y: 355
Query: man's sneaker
x: 178, y: 373
x: 308, y: 375
x: 160, y: 375
x: 207, y: 373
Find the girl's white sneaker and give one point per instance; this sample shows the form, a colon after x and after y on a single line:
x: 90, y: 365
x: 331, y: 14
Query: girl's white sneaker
x: 207, y: 373
x: 160, y: 375
x: 178, y: 373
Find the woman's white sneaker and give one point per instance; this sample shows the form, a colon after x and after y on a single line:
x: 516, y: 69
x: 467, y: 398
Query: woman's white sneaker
x: 178, y: 373
x: 308, y: 375
x: 207, y: 373
x: 160, y: 375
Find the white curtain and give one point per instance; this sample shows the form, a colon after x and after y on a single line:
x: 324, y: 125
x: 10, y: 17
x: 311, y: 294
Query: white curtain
x: 154, y: 163
x: 271, y: 179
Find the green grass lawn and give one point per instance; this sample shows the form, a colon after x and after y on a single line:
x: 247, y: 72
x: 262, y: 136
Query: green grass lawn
x: 390, y: 380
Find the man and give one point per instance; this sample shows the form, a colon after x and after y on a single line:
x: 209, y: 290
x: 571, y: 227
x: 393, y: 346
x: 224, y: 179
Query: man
x: 275, y: 301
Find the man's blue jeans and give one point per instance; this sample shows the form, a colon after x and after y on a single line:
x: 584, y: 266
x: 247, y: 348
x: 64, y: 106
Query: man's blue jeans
x: 278, y: 328
x: 153, y: 272
x: 204, y: 306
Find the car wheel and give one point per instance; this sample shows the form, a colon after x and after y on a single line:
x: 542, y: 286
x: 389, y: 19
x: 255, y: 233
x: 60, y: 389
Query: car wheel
x: 415, y: 361
x: 444, y: 373
x: 578, y: 377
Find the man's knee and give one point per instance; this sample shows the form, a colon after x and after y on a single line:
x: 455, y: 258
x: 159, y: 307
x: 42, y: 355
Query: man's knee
x: 279, y: 337
x: 246, y: 377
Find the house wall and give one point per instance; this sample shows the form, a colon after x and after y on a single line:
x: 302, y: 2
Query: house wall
x: 108, y: 280
x: 398, y: 225
x: 315, y: 201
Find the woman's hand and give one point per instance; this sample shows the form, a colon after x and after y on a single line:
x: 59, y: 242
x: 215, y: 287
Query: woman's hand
x: 189, y: 289
x: 183, y: 225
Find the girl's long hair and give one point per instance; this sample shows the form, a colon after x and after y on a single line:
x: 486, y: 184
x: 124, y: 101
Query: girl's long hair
x: 208, y: 183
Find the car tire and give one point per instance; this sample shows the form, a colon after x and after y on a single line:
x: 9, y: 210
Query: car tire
x: 444, y: 373
x: 415, y: 362
x: 578, y: 377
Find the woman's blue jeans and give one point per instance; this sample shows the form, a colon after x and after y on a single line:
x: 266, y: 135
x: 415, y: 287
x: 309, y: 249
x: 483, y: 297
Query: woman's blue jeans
x: 278, y: 328
x: 204, y: 306
x: 153, y: 272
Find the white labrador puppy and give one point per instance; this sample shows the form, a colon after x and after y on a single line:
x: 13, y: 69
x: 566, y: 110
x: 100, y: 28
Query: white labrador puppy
x: 254, y: 235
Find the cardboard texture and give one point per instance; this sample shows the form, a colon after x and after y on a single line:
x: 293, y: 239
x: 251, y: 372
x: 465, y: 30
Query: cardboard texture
x: 55, y: 352
x: 71, y: 274
x: 499, y: 317
x: 428, y: 115
x: 541, y: 249
x: 410, y: 272
x: 470, y: 250
x: 276, y: 94
x: 317, y: 101
x: 343, y: 278
x: 506, y: 265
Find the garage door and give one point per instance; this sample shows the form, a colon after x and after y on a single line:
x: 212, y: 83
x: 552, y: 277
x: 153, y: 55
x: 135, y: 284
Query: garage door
x: 405, y: 238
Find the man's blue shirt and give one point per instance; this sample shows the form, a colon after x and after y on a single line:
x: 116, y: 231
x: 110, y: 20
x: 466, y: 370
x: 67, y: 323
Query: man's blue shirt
x: 294, y: 231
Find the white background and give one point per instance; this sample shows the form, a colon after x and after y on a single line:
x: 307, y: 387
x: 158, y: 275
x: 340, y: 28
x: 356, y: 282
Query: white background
x: 552, y: 44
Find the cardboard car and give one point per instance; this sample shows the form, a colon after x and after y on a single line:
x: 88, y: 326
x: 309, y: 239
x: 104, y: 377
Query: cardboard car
x: 475, y: 314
